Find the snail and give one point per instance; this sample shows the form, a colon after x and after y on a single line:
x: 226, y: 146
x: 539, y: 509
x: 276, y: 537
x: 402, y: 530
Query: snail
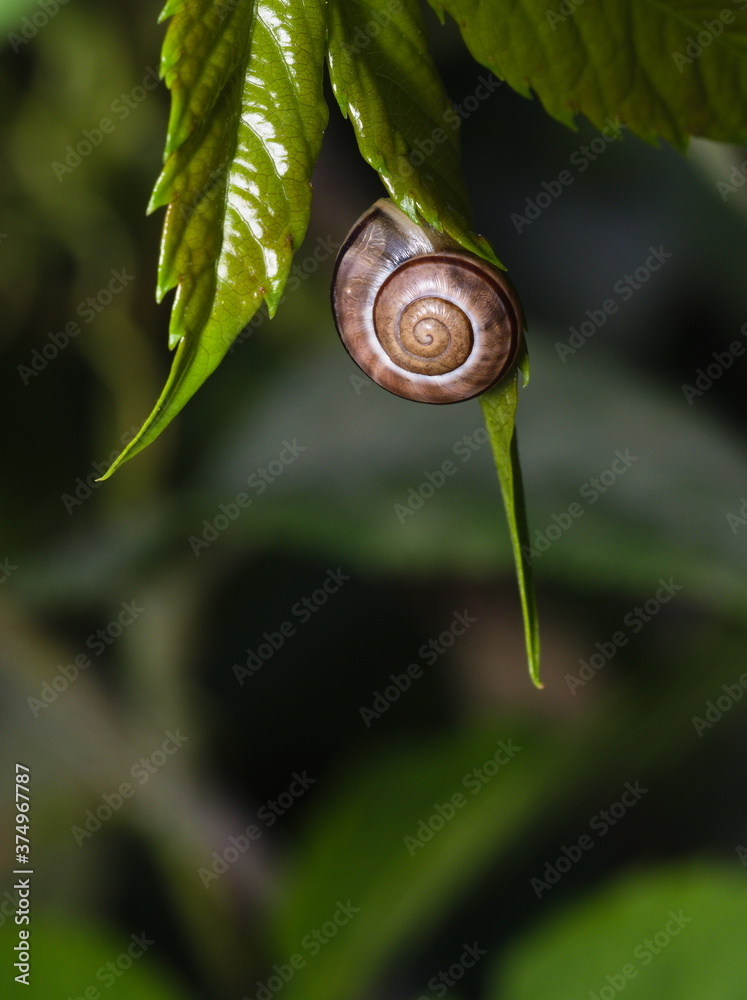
x: 419, y: 315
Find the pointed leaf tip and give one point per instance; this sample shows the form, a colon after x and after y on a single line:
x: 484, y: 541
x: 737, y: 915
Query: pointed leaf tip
x: 499, y: 410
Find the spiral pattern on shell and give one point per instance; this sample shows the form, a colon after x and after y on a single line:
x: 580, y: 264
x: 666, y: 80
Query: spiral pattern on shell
x: 422, y: 317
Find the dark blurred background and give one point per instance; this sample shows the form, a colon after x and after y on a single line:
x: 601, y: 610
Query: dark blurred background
x: 182, y: 659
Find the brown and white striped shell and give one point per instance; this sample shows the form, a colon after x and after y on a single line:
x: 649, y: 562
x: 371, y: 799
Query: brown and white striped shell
x: 421, y: 316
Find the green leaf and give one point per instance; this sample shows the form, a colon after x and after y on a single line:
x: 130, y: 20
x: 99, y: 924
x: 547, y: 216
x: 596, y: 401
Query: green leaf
x: 75, y: 958
x: 384, y: 80
x: 656, y: 65
x: 380, y: 843
x: 659, y: 935
x: 246, y: 125
x: 499, y: 409
x: 12, y: 14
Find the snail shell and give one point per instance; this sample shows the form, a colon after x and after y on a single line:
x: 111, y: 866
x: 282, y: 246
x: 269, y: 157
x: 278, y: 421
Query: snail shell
x: 422, y: 317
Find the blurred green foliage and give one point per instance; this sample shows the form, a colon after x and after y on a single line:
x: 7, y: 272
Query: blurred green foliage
x: 72, y: 563
x: 627, y: 937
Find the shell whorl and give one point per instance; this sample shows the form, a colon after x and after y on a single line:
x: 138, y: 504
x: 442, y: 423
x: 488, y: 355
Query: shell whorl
x: 422, y: 317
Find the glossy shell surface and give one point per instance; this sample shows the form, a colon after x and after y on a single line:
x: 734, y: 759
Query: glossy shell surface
x: 419, y: 315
